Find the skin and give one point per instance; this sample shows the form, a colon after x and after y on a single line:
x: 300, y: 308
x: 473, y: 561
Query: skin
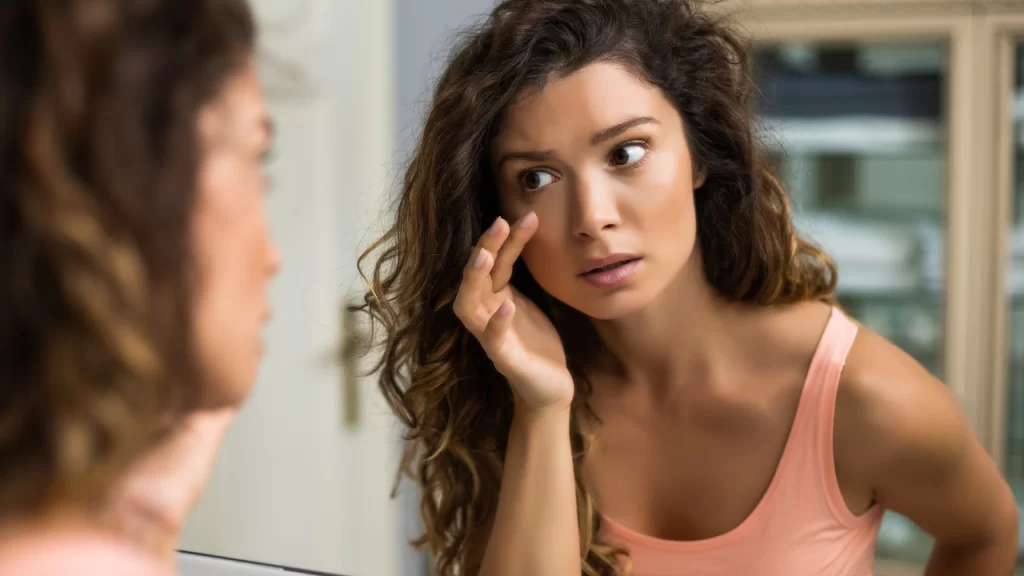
x: 234, y: 253
x: 722, y: 392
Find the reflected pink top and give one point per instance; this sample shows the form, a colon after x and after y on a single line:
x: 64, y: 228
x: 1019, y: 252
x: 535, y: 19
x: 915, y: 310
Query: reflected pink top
x: 74, y: 555
x: 802, y: 526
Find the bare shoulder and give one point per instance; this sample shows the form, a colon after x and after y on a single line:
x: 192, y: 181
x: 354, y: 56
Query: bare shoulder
x: 793, y: 332
x: 890, y: 409
x: 902, y: 441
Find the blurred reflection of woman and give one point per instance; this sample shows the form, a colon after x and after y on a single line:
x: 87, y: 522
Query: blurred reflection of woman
x: 610, y: 345
x: 135, y: 255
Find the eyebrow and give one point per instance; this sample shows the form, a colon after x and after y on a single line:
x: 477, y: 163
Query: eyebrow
x: 602, y: 136
x: 612, y: 132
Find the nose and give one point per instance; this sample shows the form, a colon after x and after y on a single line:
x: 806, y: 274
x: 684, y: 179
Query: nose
x: 596, y: 209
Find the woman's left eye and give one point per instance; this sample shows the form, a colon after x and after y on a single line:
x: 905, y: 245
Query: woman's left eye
x: 628, y: 154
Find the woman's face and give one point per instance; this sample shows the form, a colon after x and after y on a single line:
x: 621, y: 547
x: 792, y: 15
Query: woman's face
x: 234, y: 253
x: 602, y: 159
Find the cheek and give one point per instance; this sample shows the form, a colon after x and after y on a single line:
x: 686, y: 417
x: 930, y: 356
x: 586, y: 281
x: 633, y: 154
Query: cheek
x: 663, y: 202
x: 228, y: 231
x: 547, y: 255
x: 231, y: 215
x: 547, y: 246
x: 215, y: 221
x: 230, y: 244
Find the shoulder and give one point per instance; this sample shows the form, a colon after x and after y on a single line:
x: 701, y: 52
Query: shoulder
x: 891, y: 413
x: 85, y: 555
x: 901, y: 437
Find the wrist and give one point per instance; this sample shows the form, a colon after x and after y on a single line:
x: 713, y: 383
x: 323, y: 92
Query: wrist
x: 551, y: 398
x: 552, y: 416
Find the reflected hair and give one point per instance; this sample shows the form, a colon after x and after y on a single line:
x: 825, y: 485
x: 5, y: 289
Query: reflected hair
x: 457, y: 408
x: 99, y: 155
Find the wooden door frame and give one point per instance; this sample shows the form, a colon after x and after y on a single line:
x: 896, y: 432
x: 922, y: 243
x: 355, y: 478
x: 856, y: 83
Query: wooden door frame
x: 1002, y: 30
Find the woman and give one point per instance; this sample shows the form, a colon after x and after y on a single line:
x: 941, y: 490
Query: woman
x: 136, y: 254
x: 611, y: 347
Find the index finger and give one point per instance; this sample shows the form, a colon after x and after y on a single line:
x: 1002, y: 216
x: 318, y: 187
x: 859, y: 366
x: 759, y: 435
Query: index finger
x: 494, y: 237
x: 520, y: 234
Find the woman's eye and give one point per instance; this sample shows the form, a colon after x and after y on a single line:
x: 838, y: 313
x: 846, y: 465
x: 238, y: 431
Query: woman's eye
x: 628, y: 154
x: 534, y: 180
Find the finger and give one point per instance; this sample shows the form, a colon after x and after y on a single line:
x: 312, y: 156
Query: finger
x: 475, y: 286
x: 476, y: 278
x: 497, y: 328
x: 512, y: 249
x: 494, y: 237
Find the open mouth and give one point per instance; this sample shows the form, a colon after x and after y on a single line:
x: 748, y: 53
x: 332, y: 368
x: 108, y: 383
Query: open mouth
x: 612, y: 266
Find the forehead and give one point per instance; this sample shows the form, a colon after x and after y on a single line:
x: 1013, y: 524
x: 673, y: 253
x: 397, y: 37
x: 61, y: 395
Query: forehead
x: 239, y: 107
x: 599, y: 95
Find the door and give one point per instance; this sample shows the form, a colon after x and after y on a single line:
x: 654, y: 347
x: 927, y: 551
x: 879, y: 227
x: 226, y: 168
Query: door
x: 305, y: 475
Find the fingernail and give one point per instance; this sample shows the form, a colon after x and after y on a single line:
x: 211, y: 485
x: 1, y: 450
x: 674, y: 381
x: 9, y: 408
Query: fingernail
x: 506, y: 308
x: 528, y: 219
x: 494, y: 227
x: 480, y: 259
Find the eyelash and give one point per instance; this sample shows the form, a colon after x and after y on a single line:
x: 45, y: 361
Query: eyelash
x: 643, y: 143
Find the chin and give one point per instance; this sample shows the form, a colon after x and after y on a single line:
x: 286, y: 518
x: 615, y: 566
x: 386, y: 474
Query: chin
x: 613, y: 306
x: 229, y: 390
x: 224, y: 398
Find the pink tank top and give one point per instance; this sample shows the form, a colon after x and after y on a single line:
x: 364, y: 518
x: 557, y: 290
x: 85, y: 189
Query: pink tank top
x: 801, y: 526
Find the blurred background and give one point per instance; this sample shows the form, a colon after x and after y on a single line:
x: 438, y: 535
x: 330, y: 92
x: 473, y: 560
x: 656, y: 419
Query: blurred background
x: 896, y: 125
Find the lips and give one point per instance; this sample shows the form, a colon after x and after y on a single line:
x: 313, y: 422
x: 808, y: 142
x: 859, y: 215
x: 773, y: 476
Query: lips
x: 598, y: 265
x: 611, y: 272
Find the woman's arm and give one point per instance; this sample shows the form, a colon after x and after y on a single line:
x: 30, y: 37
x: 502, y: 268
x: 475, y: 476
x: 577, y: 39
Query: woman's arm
x: 904, y: 435
x: 535, y: 529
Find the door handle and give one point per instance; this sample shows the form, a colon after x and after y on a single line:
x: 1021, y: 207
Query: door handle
x: 353, y: 345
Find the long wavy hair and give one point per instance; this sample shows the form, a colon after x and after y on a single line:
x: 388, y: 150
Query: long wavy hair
x: 435, y: 376
x: 99, y: 155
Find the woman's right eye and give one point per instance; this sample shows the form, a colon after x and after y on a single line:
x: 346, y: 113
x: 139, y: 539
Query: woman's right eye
x: 533, y: 180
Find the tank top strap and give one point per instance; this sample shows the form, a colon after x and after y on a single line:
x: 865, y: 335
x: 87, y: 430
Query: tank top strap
x: 822, y: 379
x: 822, y: 389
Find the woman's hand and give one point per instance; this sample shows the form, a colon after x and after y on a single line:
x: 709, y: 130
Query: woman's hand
x: 517, y: 336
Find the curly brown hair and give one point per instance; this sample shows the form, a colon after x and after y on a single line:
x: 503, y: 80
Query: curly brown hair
x: 435, y: 376
x: 99, y: 156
